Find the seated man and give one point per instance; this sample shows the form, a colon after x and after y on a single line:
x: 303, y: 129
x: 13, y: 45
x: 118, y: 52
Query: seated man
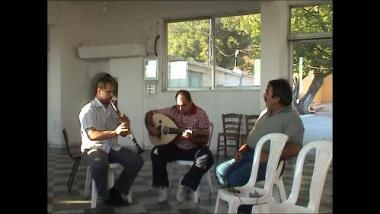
x: 100, y: 128
x: 279, y: 117
x: 186, y: 115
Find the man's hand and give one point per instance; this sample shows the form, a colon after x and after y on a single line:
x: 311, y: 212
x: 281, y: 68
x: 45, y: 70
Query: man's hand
x: 264, y: 157
x: 153, y: 131
x: 125, y: 120
x: 187, y: 133
x: 122, y: 130
x: 238, y: 156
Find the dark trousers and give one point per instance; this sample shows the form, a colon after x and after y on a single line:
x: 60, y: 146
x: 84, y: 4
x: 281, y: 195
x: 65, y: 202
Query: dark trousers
x: 162, y: 154
x: 98, y: 162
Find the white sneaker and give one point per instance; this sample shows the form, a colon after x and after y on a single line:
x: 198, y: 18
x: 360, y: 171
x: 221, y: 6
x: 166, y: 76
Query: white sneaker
x: 181, y: 192
x: 163, y: 194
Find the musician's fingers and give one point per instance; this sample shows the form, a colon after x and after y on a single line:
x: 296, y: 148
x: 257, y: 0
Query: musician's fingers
x: 185, y: 135
x: 153, y: 131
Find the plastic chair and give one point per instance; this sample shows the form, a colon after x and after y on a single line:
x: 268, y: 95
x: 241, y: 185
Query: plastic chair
x: 190, y: 163
x: 248, y: 193
x: 76, y: 157
x: 322, y: 162
x: 280, y: 194
x: 112, y: 171
x: 231, y: 132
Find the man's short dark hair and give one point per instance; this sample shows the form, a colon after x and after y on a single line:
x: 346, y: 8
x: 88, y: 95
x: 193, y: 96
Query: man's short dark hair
x: 103, y: 81
x: 281, y: 89
x: 185, y: 93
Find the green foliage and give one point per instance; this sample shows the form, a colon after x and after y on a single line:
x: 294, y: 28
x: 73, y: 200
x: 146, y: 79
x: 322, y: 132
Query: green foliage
x: 189, y: 40
x: 238, y: 33
x: 311, y: 19
x: 317, y: 54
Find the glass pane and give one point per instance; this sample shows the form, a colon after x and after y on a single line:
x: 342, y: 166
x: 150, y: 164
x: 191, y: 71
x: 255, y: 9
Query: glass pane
x: 189, y: 54
x: 151, y: 69
x: 311, y: 58
x: 314, y: 19
x: 237, y: 51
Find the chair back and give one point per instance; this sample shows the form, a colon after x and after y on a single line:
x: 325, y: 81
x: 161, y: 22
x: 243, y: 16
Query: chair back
x: 277, y: 143
x: 323, y: 158
x: 231, y: 123
x: 67, y: 142
x: 250, y: 121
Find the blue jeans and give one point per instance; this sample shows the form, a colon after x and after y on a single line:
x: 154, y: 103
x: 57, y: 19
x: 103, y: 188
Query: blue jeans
x: 233, y: 174
x: 98, y: 162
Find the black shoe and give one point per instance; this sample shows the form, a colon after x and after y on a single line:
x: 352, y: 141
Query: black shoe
x: 115, y: 199
x: 115, y: 203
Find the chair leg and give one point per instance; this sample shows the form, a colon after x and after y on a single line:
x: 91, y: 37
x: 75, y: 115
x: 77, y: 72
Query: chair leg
x: 76, y: 164
x: 233, y: 205
x: 211, y: 188
x: 281, y: 189
x: 217, y: 205
x: 87, y: 184
x: 129, y: 197
x: 94, y: 195
x: 71, y: 174
x: 196, y: 194
x: 111, y: 178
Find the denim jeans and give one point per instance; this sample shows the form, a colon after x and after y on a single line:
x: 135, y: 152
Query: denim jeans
x: 98, y: 162
x: 233, y: 174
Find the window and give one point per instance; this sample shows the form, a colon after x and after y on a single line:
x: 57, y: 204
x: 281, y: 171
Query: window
x: 196, y: 60
x: 237, y: 50
x: 189, y: 54
x: 310, y: 40
x: 150, y: 67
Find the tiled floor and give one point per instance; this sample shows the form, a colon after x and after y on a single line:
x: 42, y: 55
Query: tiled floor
x: 144, y: 197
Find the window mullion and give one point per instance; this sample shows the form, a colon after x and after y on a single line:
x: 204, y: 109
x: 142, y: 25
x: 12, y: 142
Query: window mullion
x: 212, y: 29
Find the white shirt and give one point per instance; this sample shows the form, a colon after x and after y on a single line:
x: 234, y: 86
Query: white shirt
x: 95, y: 115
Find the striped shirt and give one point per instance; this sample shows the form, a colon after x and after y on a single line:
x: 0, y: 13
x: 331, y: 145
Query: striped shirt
x: 95, y: 115
x: 196, y: 120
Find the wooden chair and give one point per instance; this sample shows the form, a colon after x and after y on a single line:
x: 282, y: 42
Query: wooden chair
x: 250, y: 121
x: 231, y: 133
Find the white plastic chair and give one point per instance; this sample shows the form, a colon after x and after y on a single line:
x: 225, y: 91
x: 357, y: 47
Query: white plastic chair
x: 112, y: 170
x: 249, y: 194
x: 322, y: 163
x: 190, y: 163
x: 280, y: 194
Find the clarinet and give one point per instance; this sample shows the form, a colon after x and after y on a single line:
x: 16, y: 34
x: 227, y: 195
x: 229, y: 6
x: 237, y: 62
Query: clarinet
x: 130, y: 133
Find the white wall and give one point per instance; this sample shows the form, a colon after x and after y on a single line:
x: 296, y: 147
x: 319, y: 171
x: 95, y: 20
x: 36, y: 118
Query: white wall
x: 274, y: 44
x: 85, y: 23
x: 129, y: 72
x: 68, y: 78
x: 54, y: 88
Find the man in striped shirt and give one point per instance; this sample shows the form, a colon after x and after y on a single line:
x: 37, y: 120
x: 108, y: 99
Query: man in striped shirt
x: 100, y: 128
x: 186, y: 115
